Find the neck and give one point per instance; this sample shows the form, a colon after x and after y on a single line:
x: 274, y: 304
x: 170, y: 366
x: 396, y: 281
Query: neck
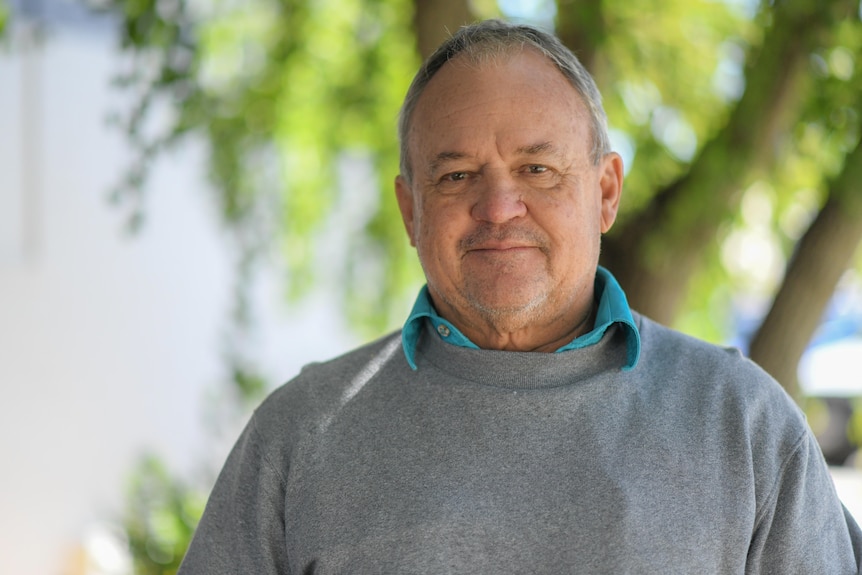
x: 519, y: 332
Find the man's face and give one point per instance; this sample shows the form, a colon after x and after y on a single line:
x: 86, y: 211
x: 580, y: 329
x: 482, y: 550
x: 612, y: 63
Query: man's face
x: 506, y: 207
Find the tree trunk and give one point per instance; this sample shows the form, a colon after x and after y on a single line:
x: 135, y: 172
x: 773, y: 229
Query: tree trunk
x: 581, y: 27
x: 822, y: 256
x: 658, y: 250
x: 436, y: 20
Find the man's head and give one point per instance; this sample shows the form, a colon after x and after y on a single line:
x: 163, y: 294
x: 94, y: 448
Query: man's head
x: 507, y: 185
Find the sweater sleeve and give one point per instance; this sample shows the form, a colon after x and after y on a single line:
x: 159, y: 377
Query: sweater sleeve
x: 802, y: 527
x: 242, y: 528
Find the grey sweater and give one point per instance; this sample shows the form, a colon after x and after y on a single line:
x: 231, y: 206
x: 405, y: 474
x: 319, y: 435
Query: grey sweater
x: 695, y: 462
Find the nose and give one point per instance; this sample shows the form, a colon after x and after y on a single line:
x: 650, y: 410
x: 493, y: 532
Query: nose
x: 500, y: 199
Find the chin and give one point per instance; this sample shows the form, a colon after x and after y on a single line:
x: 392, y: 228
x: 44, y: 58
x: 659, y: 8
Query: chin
x: 509, y: 309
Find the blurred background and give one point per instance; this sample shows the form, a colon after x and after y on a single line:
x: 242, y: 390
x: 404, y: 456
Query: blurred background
x: 195, y: 201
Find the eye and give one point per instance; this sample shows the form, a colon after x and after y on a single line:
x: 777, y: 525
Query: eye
x: 456, y: 176
x: 537, y: 169
x: 453, y: 182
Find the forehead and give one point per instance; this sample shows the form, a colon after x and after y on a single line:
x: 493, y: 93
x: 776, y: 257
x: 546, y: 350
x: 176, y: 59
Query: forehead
x: 515, y: 99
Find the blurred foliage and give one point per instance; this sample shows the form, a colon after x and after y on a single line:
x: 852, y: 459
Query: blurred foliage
x: 283, y: 92
x: 160, y: 517
x: 252, y: 386
x: 670, y: 73
x: 4, y: 17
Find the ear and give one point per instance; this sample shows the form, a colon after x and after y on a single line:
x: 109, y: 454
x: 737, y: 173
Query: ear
x: 404, y: 195
x: 611, y: 184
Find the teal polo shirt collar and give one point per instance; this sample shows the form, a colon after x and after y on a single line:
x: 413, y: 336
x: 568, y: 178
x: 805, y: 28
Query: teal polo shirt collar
x: 613, y: 308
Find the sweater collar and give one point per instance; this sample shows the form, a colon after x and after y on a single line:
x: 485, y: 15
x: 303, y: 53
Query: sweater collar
x: 613, y: 309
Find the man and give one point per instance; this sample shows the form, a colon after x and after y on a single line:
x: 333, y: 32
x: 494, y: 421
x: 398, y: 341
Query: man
x: 524, y: 420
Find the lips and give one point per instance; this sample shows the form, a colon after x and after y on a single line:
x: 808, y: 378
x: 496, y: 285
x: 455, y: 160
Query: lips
x: 501, y: 240
x: 500, y: 247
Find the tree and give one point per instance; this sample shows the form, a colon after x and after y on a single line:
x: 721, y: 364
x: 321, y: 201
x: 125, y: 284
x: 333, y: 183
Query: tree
x: 719, y: 107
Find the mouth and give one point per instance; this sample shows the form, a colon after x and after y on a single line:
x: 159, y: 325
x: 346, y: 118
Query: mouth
x: 501, y: 246
x: 500, y: 250
x: 512, y: 249
x: 489, y: 241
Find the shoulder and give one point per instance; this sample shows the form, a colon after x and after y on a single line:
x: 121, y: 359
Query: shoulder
x: 675, y: 347
x: 726, y: 384
x: 298, y: 406
x: 675, y: 354
x: 726, y: 401
x: 324, y: 381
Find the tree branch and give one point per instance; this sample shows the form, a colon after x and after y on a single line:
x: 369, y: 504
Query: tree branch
x: 822, y: 256
x: 581, y: 27
x: 436, y: 20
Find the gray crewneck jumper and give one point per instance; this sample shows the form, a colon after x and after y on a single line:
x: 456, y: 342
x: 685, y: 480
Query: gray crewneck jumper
x: 695, y: 462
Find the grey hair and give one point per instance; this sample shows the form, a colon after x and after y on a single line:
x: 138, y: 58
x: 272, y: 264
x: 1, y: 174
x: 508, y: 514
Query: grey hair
x: 493, y: 38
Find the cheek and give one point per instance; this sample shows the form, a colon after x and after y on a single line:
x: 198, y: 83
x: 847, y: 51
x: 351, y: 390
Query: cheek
x: 437, y: 245
x: 439, y: 227
x: 573, y: 230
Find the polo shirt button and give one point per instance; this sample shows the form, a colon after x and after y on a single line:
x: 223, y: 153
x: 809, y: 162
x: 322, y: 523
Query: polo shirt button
x: 443, y: 330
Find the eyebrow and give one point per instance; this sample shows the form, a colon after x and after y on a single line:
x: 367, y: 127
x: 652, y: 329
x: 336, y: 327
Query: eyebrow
x: 540, y: 148
x: 442, y: 158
